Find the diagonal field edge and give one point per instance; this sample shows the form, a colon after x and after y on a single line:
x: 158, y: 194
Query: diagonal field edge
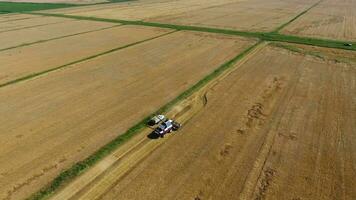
x: 296, y: 17
x: 81, y: 60
x: 81, y: 166
x: 271, y: 36
x: 56, y: 38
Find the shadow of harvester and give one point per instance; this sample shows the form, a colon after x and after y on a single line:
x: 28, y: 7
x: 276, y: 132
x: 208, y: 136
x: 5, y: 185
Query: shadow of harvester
x: 153, y: 136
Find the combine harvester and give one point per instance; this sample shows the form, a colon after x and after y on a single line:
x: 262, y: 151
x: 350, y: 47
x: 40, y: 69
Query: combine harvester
x: 165, y: 125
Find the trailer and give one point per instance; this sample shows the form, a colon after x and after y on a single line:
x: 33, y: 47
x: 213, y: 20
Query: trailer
x: 156, y: 119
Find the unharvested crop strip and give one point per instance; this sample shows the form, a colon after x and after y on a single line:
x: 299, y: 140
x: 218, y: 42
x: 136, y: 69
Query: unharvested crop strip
x: 78, y: 61
x: 272, y: 36
x: 296, y: 17
x: 56, y: 38
x: 80, y: 167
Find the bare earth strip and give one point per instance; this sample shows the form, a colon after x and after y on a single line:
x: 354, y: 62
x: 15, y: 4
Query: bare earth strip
x: 23, y: 61
x: 330, y: 19
x: 279, y: 127
x: 30, y: 22
x: 42, y: 33
x: 254, y: 15
x: 65, y: 116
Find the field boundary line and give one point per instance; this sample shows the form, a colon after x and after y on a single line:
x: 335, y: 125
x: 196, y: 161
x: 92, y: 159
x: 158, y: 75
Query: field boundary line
x: 56, y: 38
x: 80, y: 167
x: 268, y: 36
x: 296, y: 17
x: 33, y: 75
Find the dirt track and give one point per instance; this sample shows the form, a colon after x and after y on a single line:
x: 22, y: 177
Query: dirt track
x: 330, y: 19
x: 77, y: 110
x: 279, y: 127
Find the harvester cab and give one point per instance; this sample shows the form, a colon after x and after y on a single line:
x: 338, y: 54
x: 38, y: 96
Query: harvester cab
x: 166, y: 126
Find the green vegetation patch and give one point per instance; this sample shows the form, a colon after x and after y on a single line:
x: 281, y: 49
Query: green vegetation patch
x: 80, y: 167
x: 13, y: 7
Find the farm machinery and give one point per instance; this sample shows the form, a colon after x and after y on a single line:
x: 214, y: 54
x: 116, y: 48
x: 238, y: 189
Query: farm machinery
x: 164, y: 125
